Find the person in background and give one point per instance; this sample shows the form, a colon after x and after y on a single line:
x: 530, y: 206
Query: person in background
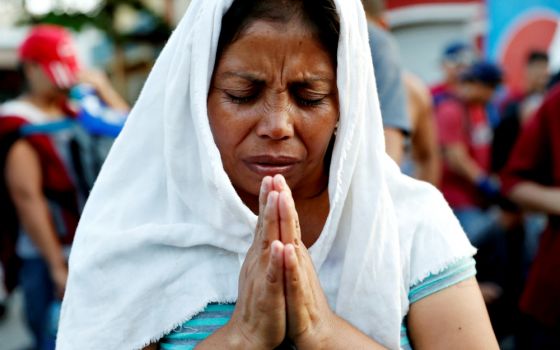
x: 523, y: 228
x: 47, y: 167
x: 424, y: 152
x: 456, y: 58
x: 537, y: 76
x: 390, y: 86
x: 531, y: 179
x: 519, y: 107
x: 465, y: 138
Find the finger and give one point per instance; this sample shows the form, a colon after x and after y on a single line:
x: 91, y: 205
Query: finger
x: 275, y: 268
x: 266, y: 187
x: 280, y: 184
x: 295, y: 292
x: 270, y: 230
x: 289, y: 222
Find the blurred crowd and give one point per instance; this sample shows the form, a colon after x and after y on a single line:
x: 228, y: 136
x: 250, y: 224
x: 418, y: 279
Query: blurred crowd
x: 54, y: 138
x: 493, y: 153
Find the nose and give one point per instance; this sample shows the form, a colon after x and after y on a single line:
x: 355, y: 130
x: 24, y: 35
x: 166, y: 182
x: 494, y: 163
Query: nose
x: 276, y: 122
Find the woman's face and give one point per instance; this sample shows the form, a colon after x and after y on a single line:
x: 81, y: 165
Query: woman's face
x: 273, y: 107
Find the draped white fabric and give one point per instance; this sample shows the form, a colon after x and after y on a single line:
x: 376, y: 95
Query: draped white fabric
x: 164, y: 231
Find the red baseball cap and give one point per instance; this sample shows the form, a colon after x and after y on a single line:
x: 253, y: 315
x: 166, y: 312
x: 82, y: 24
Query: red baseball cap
x: 53, y: 49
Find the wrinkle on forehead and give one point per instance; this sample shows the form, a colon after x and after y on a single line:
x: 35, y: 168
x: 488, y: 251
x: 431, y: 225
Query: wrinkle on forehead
x: 279, y: 66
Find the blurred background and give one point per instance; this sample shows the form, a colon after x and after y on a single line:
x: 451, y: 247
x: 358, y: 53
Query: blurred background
x: 123, y: 38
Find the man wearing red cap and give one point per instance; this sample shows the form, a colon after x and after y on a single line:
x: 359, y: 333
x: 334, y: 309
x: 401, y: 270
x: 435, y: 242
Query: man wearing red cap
x: 46, y: 174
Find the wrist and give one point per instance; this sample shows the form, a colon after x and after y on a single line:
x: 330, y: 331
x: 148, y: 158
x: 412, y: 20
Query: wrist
x: 318, y: 337
x: 237, y: 338
x: 488, y: 185
x: 56, y: 263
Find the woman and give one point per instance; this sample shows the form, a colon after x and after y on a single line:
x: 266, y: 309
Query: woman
x: 178, y: 235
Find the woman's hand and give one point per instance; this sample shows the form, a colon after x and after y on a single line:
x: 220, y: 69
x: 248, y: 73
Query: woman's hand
x: 260, y: 313
x: 309, y: 316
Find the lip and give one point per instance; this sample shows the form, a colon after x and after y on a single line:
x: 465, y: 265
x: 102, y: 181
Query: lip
x: 270, y: 165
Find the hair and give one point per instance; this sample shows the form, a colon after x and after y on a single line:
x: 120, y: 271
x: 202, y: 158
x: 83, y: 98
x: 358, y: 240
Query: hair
x: 374, y: 8
x: 319, y: 15
x: 537, y: 56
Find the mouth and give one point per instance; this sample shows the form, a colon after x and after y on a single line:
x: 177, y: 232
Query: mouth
x: 268, y: 165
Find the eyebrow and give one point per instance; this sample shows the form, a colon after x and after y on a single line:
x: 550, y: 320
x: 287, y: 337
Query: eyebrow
x: 244, y: 75
x: 256, y: 78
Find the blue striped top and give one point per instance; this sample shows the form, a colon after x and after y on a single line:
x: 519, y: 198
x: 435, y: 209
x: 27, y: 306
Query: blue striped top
x: 214, y: 316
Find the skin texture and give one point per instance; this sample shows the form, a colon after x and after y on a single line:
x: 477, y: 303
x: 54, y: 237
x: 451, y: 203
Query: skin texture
x: 279, y: 291
x: 282, y: 103
x: 394, y: 143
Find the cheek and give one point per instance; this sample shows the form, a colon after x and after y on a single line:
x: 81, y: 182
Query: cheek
x: 318, y: 133
x: 228, y: 129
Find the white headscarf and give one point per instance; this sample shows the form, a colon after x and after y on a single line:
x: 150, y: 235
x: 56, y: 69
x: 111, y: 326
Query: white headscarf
x: 164, y: 232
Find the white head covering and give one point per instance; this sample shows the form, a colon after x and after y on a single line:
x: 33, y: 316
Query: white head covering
x: 164, y: 231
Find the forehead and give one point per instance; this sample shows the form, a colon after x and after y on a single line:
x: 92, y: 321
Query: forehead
x: 266, y: 45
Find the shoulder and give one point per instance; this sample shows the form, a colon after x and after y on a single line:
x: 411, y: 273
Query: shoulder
x: 551, y: 104
x: 22, y: 109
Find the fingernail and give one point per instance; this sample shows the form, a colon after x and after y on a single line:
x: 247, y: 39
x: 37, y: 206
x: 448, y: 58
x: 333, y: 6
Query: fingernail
x: 291, y: 251
x: 275, y: 247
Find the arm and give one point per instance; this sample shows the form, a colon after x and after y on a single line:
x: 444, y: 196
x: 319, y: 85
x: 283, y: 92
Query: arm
x: 104, y: 89
x: 394, y: 143
x: 533, y: 196
x: 453, y: 318
x: 527, y: 173
x: 425, y: 149
x: 449, y: 116
x: 459, y: 160
x: 23, y: 178
x: 344, y: 336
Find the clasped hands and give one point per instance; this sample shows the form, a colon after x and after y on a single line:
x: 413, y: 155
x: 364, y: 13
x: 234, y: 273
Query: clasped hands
x: 279, y: 292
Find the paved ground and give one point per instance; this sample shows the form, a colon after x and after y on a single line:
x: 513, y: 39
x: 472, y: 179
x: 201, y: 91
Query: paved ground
x: 13, y: 334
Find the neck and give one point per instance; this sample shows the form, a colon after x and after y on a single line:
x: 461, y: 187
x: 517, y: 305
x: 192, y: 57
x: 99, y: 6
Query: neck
x: 49, y: 105
x: 312, y: 210
x: 313, y: 213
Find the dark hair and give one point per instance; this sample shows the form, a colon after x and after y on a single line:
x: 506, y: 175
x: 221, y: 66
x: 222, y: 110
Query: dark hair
x: 537, y: 56
x: 318, y: 14
x: 483, y: 72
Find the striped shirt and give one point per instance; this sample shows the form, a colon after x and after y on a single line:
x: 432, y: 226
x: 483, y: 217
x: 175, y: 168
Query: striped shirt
x: 214, y: 316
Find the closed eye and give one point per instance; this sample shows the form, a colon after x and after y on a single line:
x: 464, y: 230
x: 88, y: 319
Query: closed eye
x: 241, y: 99
x: 306, y: 102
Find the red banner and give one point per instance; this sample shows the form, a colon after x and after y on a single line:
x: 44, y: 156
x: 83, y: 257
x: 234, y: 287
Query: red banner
x: 395, y: 4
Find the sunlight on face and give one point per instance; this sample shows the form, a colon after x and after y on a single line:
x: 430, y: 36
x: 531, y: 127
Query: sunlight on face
x: 273, y: 107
